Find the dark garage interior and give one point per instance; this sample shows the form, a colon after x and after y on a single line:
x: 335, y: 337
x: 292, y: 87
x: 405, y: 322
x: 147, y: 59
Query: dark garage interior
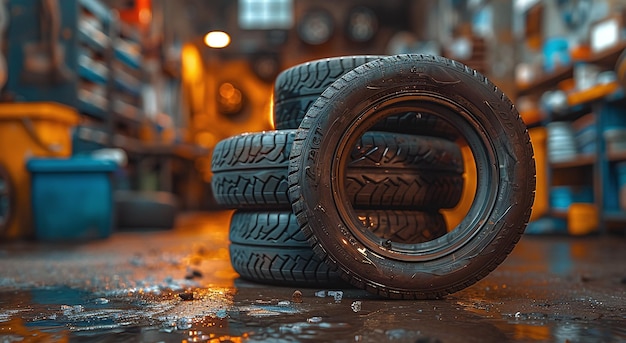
x: 312, y: 171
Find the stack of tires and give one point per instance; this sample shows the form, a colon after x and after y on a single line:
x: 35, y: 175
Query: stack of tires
x: 390, y: 176
x: 398, y: 182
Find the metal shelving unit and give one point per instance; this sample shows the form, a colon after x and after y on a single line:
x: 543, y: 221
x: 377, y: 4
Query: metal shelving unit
x: 100, y: 73
x: 596, y: 170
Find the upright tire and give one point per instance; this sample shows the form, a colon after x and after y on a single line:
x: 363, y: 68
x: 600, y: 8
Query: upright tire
x: 489, y: 125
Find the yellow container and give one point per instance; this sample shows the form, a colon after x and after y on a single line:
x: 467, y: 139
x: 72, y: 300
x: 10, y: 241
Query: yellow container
x: 582, y: 219
x: 36, y: 129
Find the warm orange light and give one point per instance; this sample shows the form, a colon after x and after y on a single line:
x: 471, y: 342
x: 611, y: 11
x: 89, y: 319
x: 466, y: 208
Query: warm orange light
x: 271, y: 111
x: 227, y: 90
x: 145, y: 16
x: 217, y: 39
x: 191, y: 63
x: 206, y: 139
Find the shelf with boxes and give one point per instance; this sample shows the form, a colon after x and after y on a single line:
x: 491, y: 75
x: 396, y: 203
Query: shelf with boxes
x: 77, y: 53
x: 549, y: 79
x: 93, y: 25
x: 57, y: 52
x: 582, y: 110
x: 127, y: 75
x: 572, y: 157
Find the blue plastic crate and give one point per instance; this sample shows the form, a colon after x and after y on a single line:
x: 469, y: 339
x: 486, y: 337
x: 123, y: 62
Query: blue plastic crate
x: 72, y: 199
x: 561, y: 197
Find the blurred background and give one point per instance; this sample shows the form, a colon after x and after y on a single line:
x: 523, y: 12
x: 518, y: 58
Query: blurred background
x: 153, y: 85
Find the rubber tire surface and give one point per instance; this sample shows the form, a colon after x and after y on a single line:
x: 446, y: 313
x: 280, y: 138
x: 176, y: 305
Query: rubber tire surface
x: 387, y: 171
x: 298, y: 267
x: 269, y: 247
x: 298, y: 87
x: 492, y: 129
x: 281, y: 229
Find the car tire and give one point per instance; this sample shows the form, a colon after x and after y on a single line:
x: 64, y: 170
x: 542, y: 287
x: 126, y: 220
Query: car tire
x: 387, y: 171
x: 297, y: 88
x: 269, y: 247
x: 490, y: 127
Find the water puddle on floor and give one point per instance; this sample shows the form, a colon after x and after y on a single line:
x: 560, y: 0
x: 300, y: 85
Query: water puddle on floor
x: 276, y: 314
x: 54, y: 314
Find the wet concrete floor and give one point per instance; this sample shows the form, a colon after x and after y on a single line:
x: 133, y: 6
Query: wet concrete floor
x: 178, y: 286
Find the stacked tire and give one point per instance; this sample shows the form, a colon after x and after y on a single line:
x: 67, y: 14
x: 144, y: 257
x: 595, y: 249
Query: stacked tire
x: 365, y: 155
x: 402, y: 172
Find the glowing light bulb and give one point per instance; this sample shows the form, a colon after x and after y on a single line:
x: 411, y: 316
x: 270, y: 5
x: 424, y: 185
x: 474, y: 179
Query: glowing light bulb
x: 217, y: 39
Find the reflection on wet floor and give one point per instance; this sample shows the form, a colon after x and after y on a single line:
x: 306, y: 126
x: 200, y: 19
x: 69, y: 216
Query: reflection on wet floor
x: 178, y: 286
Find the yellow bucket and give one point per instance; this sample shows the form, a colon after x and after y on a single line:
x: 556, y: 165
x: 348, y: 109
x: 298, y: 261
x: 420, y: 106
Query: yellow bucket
x: 582, y: 219
x: 35, y: 129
